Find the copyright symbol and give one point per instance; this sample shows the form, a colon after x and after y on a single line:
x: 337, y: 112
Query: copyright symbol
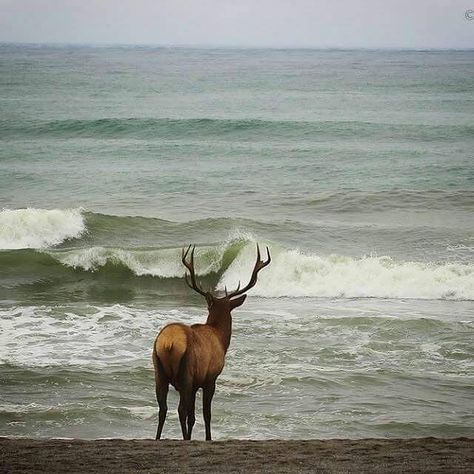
x: 469, y: 15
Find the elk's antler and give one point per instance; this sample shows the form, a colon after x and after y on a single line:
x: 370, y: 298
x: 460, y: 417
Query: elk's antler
x: 259, y: 264
x: 190, y: 266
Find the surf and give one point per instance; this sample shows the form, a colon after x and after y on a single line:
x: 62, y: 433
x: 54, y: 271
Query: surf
x: 293, y: 273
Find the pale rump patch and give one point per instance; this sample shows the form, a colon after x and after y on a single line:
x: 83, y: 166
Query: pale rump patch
x: 170, y: 346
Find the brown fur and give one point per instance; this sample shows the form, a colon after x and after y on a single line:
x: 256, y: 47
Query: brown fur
x: 197, y: 350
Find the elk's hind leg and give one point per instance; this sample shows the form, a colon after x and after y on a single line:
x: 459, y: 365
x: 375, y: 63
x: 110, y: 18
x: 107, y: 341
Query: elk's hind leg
x: 161, y: 396
x: 161, y: 387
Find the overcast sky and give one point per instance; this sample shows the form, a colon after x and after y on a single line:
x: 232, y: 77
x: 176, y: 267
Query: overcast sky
x: 274, y: 23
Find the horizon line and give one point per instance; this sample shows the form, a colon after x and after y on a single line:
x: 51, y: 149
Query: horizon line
x: 226, y: 47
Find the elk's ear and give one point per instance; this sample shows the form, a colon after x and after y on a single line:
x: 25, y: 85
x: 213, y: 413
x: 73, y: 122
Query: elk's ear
x: 237, y: 302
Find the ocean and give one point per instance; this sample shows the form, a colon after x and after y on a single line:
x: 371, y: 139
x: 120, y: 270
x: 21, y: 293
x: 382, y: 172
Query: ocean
x: 356, y: 169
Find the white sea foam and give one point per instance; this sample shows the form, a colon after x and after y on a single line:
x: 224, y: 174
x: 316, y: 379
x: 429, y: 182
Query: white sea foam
x: 89, y: 336
x: 296, y: 274
x: 39, y: 228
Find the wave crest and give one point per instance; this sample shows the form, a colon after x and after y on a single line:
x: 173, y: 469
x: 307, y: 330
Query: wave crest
x: 163, y: 263
x: 39, y: 228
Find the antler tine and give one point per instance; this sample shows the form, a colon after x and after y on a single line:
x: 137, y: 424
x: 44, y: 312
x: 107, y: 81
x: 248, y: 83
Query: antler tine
x: 190, y: 266
x: 269, y: 259
x: 184, y: 254
x: 259, y: 264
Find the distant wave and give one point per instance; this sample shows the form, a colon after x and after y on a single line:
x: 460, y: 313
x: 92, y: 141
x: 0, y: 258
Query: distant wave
x: 222, y: 129
x: 364, y: 201
x: 43, y: 228
x: 39, y: 228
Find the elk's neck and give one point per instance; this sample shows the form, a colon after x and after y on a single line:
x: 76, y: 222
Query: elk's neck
x: 222, y: 322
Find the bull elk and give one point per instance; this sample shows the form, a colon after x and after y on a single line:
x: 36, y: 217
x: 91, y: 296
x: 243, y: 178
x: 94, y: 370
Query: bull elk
x: 192, y: 357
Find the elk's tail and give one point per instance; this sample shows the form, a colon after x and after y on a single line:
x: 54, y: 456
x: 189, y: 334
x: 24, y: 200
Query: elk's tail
x: 169, y: 349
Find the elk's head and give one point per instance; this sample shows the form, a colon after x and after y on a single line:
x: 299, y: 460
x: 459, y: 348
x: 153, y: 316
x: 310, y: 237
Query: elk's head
x: 231, y: 299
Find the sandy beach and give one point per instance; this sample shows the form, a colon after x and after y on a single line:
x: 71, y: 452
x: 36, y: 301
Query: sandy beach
x: 431, y: 455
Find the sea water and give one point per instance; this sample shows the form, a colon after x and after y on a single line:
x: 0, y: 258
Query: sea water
x: 355, y: 168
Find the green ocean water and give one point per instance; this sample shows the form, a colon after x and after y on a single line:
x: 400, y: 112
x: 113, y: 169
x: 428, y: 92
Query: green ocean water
x: 354, y: 167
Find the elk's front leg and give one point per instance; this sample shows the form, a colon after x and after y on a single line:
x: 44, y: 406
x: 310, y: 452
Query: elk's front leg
x: 182, y: 413
x: 207, y: 394
x: 184, y: 408
x: 191, y: 413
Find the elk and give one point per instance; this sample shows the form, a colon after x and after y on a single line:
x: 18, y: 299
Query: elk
x: 192, y: 357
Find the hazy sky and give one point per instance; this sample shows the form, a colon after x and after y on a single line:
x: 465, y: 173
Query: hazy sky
x: 307, y: 23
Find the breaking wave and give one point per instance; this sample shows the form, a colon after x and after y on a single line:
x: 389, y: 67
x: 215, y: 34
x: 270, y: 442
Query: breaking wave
x: 56, y: 248
x: 295, y: 274
x: 39, y: 228
x: 291, y: 274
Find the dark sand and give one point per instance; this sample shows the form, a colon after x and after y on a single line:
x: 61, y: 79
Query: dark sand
x: 430, y: 455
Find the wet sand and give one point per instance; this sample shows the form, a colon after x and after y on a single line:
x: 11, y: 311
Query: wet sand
x: 237, y: 456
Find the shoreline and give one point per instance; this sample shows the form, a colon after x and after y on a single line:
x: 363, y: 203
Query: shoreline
x: 234, y: 456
